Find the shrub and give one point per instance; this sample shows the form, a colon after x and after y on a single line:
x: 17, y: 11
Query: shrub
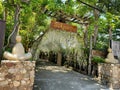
x: 98, y: 59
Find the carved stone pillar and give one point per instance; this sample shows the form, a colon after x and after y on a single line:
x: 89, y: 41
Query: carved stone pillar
x: 17, y: 75
x: 109, y: 74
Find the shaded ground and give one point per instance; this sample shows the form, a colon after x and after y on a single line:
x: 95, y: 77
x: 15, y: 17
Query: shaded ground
x: 52, y: 77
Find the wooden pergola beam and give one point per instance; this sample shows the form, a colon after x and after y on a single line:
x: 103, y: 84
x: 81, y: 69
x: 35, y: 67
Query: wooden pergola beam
x: 66, y: 17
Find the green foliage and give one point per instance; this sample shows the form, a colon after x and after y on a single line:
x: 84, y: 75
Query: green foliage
x: 98, y: 59
x: 111, y: 6
x: 33, y: 20
x: 1, y: 7
x: 28, y: 38
x: 101, y: 45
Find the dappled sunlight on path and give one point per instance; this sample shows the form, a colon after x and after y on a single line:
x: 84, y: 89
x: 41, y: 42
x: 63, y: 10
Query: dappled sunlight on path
x: 55, y: 69
x: 52, y: 77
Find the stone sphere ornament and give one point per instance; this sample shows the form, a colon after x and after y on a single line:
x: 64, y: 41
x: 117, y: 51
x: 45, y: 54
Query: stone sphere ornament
x: 18, y: 51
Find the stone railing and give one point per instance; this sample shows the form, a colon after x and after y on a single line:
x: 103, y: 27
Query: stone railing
x: 109, y: 74
x: 17, y: 75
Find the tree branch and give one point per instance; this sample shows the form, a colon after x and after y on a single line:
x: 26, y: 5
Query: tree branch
x: 90, y: 6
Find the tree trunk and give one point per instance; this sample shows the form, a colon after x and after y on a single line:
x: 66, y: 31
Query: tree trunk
x: 59, y: 59
x: 16, y: 26
x: 96, y: 15
x: 86, y: 36
x: 95, y: 34
x: 110, y: 36
x: 90, y: 57
x: 5, y: 14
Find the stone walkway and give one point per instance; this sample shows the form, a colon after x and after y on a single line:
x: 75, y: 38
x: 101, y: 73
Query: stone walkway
x: 52, y: 77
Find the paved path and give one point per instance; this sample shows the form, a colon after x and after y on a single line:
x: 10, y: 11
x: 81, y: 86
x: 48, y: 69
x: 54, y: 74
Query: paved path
x: 51, y: 77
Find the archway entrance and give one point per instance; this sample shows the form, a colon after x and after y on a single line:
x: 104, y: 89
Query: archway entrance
x: 60, y: 44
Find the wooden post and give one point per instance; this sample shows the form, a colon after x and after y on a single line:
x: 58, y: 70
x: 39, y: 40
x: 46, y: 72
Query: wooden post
x: 2, y: 35
x: 59, y: 59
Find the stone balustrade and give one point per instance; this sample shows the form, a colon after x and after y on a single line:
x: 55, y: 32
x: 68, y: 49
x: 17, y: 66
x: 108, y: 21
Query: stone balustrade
x: 109, y: 74
x: 17, y: 75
